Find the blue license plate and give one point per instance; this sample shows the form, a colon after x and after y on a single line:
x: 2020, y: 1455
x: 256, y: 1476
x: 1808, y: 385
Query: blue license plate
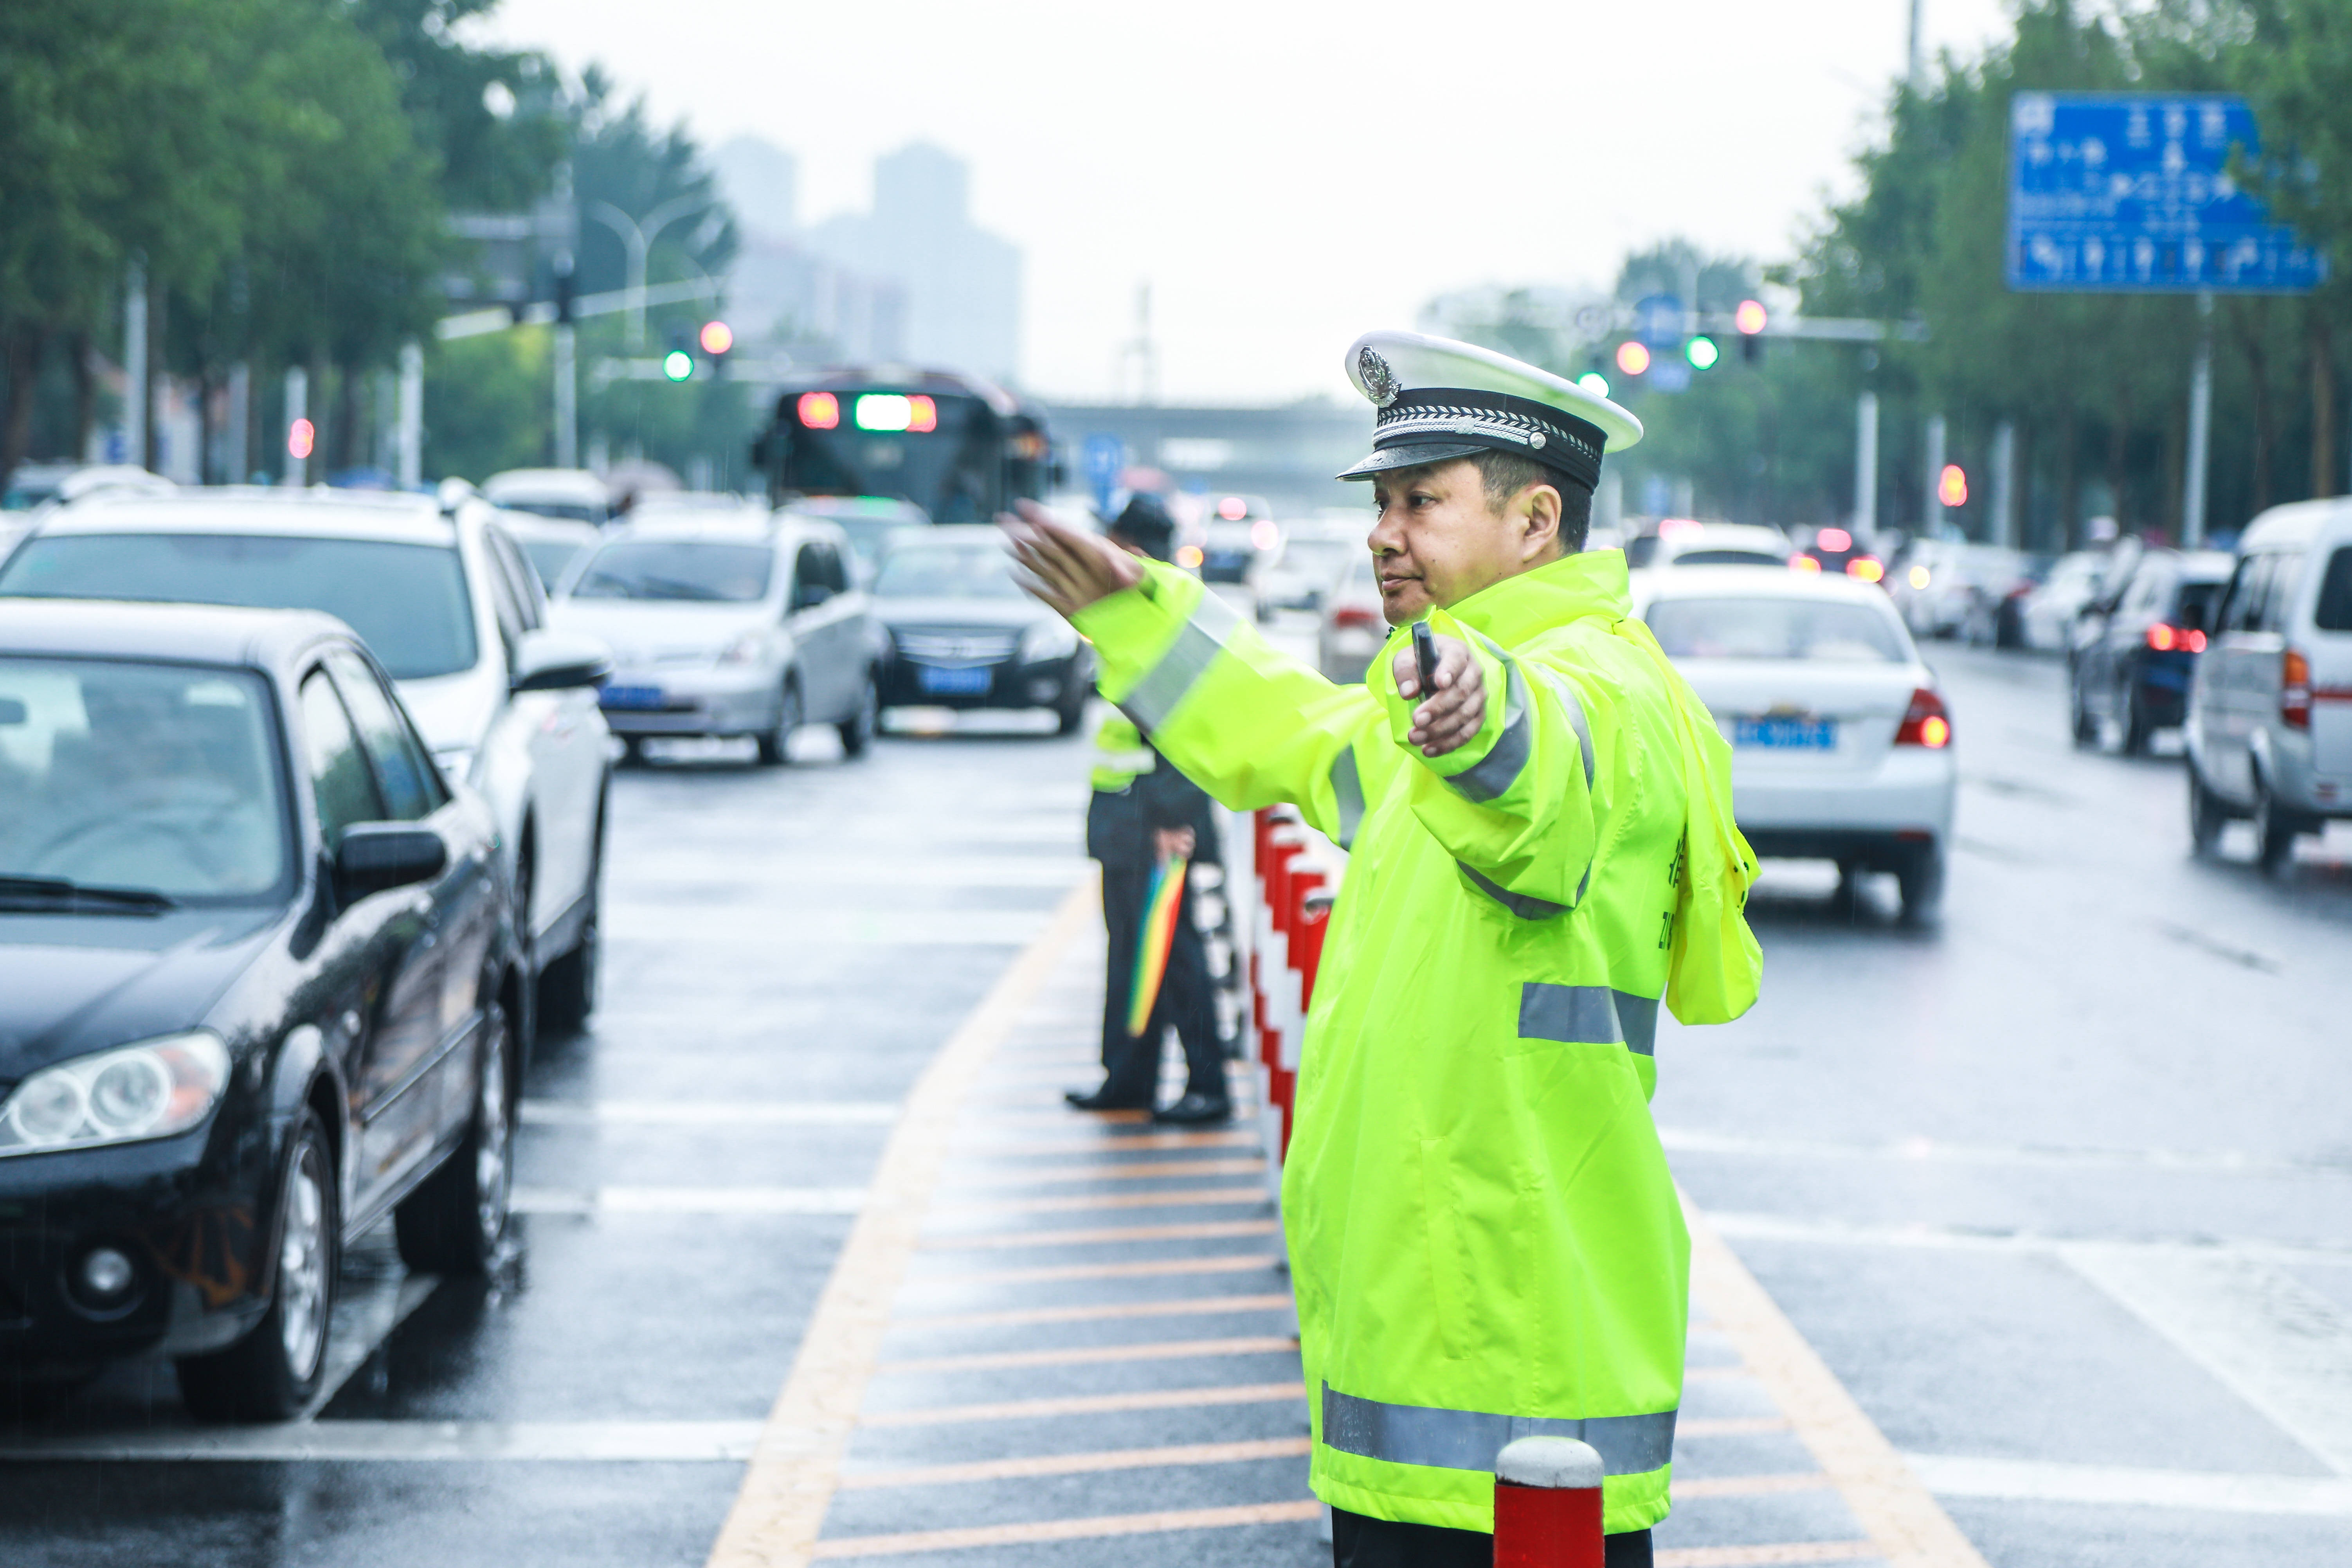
x: 631, y: 696
x: 940, y: 682
x: 1786, y: 734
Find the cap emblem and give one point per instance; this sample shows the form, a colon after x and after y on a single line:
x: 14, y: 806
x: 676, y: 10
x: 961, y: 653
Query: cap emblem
x: 1380, y: 382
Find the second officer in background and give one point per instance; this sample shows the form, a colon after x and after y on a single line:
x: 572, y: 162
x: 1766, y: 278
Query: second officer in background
x: 1144, y: 812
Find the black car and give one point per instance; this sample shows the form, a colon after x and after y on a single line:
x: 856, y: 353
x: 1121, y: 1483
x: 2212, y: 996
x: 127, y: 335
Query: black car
x: 963, y: 635
x: 2132, y: 651
x: 258, y: 985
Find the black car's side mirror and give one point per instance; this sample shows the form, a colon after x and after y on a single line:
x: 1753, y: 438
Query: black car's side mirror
x: 375, y: 856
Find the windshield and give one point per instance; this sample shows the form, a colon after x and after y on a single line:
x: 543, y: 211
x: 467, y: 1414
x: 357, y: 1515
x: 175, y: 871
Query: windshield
x: 945, y: 571
x: 677, y: 569
x: 407, y: 601
x: 1729, y: 558
x: 550, y: 558
x: 1775, y: 628
x: 155, y: 776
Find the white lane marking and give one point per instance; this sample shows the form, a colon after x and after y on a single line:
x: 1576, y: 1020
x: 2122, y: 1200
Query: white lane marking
x: 2034, y: 1480
x: 688, y: 1200
x: 698, y: 925
x: 588, y: 1441
x: 724, y: 884
x: 1926, y: 1150
x: 2279, y: 1345
x: 1840, y: 1233
x: 705, y: 1113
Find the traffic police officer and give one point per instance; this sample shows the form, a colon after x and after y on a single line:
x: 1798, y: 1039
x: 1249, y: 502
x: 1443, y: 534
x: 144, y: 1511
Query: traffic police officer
x: 1484, y: 1237
x: 1142, y: 811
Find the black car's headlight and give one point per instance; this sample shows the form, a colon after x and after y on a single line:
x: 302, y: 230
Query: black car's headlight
x: 151, y: 1089
x: 1048, y: 640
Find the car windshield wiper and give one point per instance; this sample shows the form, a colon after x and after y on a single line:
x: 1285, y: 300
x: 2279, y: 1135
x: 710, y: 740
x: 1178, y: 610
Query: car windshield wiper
x: 50, y: 891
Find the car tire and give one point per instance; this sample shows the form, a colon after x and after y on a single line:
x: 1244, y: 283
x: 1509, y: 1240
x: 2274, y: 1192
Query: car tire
x: 1071, y: 716
x: 1919, y: 881
x: 567, y: 987
x: 2275, y: 829
x: 2135, y: 713
x: 454, y: 1223
x: 859, y: 730
x: 2087, y: 729
x: 2206, y: 813
x: 776, y: 745
x: 274, y: 1371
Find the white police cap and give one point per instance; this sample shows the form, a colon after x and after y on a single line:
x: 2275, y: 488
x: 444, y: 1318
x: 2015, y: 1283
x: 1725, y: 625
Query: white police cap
x: 1438, y: 399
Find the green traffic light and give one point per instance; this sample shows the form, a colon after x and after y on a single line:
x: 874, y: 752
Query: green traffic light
x: 1702, y: 352
x: 677, y: 365
x: 1593, y: 382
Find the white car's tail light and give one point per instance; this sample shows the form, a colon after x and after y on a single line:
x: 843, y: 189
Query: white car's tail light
x: 1925, y: 723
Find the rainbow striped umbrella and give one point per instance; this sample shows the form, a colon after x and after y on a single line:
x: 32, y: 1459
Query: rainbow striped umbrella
x: 1151, y: 944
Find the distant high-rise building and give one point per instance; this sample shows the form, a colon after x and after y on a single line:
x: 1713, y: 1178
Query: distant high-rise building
x: 962, y: 284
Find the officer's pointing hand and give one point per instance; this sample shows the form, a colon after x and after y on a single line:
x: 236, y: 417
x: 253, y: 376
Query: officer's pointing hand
x: 1458, y: 711
x: 1068, y: 568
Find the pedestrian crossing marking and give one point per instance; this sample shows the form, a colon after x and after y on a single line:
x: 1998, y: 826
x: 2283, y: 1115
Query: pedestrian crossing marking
x: 1080, y: 1356
x: 1157, y: 1198
x: 1246, y: 1262
x: 1080, y: 1464
x: 1068, y: 1530
x: 1205, y: 1230
x: 1188, y: 1306
x: 1089, y: 1404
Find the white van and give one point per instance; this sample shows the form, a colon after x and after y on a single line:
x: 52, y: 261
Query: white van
x: 2270, y: 710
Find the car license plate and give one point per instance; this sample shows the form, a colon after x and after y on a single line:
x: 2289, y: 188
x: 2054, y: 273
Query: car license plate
x: 940, y: 682
x: 631, y: 696
x: 1786, y: 734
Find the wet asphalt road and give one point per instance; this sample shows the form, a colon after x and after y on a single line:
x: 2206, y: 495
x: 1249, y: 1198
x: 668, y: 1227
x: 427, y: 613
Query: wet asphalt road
x: 2059, y: 1188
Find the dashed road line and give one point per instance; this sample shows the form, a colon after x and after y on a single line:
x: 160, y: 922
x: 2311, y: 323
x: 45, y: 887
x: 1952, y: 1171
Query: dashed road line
x: 1185, y: 1305
x: 1230, y: 1263
x: 1206, y: 1230
x: 1091, y: 1405
x: 1048, y: 1530
x: 1080, y: 1464
x: 1159, y: 1199
x: 1082, y: 1355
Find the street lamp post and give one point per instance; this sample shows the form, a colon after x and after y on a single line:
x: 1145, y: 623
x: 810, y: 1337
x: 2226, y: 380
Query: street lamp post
x: 637, y: 237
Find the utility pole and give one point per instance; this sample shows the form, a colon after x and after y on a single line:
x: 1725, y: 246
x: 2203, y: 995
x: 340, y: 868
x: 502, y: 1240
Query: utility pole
x: 239, y: 438
x: 134, y: 364
x: 1931, y: 518
x: 1865, y: 465
x: 567, y: 369
x: 637, y: 238
x: 411, y: 443
x: 2004, y: 484
x: 298, y: 413
x: 2200, y: 429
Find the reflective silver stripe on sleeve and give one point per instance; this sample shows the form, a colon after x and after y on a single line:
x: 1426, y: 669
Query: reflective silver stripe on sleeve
x: 1576, y: 719
x: 1348, y: 788
x: 1469, y: 1440
x: 1500, y: 769
x: 1572, y: 1014
x: 1196, y: 647
x: 1526, y: 909
x: 1637, y: 1019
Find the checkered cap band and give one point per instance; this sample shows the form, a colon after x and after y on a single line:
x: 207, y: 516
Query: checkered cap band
x: 1552, y: 437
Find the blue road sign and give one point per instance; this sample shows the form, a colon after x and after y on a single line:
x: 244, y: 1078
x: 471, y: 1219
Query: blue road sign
x: 2132, y: 193
x: 1103, y: 456
x: 1658, y: 322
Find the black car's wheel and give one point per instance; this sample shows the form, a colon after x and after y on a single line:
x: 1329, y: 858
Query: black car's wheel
x: 567, y: 987
x: 776, y: 745
x: 2136, y: 728
x: 454, y: 1223
x: 272, y: 1373
x: 2206, y: 813
x: 2275, y: 829
x: 1920, y: 882
x: 859, y: 730
x: 2087, y: 729
x: 1071, y: 716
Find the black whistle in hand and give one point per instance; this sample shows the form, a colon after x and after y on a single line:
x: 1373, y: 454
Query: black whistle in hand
x: 1424, y: 658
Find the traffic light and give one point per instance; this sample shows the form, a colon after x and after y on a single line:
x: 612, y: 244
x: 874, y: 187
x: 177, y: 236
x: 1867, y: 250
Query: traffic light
x: 1750, y: 319
x: 1952, y: 486
x: 1593, y: 382
x: 677, y: 365
x: 1632, y: 358
x: 1702, y: 352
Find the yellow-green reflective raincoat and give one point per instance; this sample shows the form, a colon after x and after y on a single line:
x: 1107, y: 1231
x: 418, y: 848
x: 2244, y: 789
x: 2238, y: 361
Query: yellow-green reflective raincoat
x: 1483, y: 1236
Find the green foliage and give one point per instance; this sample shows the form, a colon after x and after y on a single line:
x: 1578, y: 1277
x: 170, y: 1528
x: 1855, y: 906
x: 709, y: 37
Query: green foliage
x: 486, y: 403
x: 621, y: 161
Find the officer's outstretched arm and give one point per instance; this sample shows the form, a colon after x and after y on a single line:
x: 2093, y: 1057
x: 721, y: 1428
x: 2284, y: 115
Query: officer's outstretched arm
x: 1516, y: 803
x: 1251, y: 725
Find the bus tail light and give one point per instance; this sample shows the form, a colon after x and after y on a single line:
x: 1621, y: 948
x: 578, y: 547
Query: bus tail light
x: 819, y: 411
x: 1925, y: 723
x: 2294, y: 690
x: 2165, y: 638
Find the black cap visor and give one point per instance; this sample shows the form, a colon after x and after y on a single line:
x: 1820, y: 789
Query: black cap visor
x: 1412, y: 455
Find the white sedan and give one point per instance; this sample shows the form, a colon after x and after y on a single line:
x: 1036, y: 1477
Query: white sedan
x: 1840, y: 746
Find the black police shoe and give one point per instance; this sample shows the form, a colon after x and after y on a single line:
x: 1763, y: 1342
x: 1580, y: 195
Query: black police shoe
x: 1098, y: 1100
x: 1195, y: 1109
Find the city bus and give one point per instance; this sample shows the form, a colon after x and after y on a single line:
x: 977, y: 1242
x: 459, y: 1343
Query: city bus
x: 962, y: 448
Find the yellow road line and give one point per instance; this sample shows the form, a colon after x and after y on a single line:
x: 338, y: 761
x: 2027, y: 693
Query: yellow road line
x: 1091, y: 1405
x: 1176, y: 1197
x: 1750, y: 1485
x: 1078, y: 1355
x: 1204, y: 1230
x: 1068, y: 1529
x: 1187, y: 1306
x: 1230, y: 1263
x: 789, y: 1481
x: 1794, y: 1552
x: 1907, y: 1527
x: 1081, y: 1464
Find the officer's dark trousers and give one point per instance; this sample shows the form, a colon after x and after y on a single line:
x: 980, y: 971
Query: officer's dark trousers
x: 1360, y: 1542
x: 1131, y: 1063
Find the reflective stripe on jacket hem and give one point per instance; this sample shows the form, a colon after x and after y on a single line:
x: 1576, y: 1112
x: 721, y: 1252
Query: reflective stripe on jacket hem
x: 1487, y: 778
x: 1469, y: 1440
x: 1196, y: 647
x: 1588, y: 1015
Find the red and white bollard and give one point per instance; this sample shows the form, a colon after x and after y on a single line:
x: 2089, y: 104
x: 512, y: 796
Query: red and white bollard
x: 1547, y: 1505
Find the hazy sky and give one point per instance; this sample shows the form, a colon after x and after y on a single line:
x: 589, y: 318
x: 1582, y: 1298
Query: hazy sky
x: 1286, y: 175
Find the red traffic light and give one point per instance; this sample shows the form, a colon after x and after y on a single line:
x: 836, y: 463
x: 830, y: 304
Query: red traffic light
x: 718, y: 337
x: 1749, y: 318
x: 1632, y: 358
